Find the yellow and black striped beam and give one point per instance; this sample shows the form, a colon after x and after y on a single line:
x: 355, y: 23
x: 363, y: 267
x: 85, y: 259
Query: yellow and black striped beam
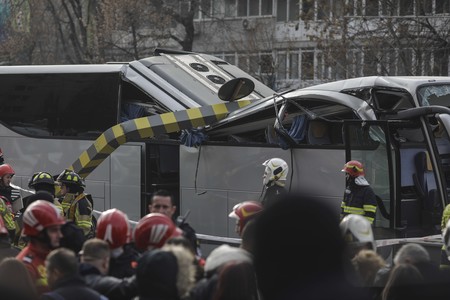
x: 147, y: 127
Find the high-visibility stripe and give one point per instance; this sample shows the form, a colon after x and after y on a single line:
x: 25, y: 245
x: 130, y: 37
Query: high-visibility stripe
x: 370, y: 208
x: 353, y: 210
x: 147, y: 127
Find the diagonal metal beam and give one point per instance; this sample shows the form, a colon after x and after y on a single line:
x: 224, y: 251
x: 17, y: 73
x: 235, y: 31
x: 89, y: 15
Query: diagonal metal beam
x: 147, y: 127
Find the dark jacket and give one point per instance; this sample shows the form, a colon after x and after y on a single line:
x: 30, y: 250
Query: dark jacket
x: 272, y: 194
x: 205, y: 288
x: 125, y: 264
x: 39, y: 195
x: 112, y: 287
x: 190, y: 235
x: 359, y: 200
x: 6, y: 250
x: 6, y: 192
x: 73, y: 288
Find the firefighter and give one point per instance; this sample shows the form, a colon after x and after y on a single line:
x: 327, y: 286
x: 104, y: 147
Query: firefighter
x: 42, y: 223
x: 445, y: 251
x: 359, y: 198
x: 153, y: 231
x: 113, y: 227
x: 44, y: 185
x: 6, y: 249
x: 357, y: 233
x: 243, y: 213
x: 77, y: 206
x: 274, y: 180
x: 6, y: 210
x: 162, y: 202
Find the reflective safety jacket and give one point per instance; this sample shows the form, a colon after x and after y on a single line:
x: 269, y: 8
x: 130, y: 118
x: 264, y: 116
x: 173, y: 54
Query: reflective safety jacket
x: 8, y: 216
x: 33, y: 256
x: 359, y: 200
x: 78, y: 208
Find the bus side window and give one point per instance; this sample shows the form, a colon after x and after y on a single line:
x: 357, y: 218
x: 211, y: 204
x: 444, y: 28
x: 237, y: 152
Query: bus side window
x: 318, y: 133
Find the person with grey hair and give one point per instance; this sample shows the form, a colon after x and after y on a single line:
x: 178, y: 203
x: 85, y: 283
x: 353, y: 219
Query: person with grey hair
x: 411, y: 254
x: 415, y: 255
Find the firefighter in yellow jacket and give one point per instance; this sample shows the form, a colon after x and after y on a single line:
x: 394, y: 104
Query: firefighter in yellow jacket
x: 77, y: 206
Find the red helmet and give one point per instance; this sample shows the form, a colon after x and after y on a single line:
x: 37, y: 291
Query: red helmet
x: 113, y: 227
x: 153, y: 230
x: 354, y: 168
x: 244, y: 212
x: 3, y: 229
x: 40, y: 215
x: 6, y: 169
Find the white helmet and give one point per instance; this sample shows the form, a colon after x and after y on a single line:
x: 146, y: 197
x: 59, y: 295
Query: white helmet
x: 446, y: 239
x: 276, y: 169
x: 357, y: 231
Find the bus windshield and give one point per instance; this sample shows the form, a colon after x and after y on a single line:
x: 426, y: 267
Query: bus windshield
x: 434, y: 95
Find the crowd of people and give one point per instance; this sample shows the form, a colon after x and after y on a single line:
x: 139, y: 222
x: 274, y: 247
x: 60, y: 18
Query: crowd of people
x: 293, y: 247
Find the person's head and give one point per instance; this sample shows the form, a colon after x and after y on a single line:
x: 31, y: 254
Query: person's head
x: 353, y: 169
x: 367, y: 263
x: 357, y: 233
x: 42, y: 181
x: 16, y: 275
x: 97, y: 253
x: 186, y: 268
x: 153, y: 230
x: 236, y: 281
x: 298, y: 243
x: 156, y: 275
x: 162, y: 202
x: 6, y: 175
x: 244, y: 212
x: 401, y: 283
x: 70, y: 182
x: 411, y: 254
x: 223, y: 255
x: 113, y: 227
x: 275, y: 172
x: 42, y: 223
x: 60, y: 263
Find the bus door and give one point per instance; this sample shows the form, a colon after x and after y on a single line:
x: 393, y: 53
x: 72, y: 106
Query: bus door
x: 398, y: 163
x: 369, y: 143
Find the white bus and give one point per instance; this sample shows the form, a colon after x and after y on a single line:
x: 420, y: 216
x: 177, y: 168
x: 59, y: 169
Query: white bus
x: 50, y: 119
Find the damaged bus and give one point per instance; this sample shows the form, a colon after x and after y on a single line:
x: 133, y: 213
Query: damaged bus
x: 174, y: 121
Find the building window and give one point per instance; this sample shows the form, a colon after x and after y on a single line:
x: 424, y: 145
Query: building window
x: 249, y: 7
x: 371, y: 8
x: 323, y: 9
x: 230, y: 8
x: 442, y: 6
x: 288, y: 10
x: 406, y: 8
x: 281, y: 66
x: 293, y: 66
x: 387, y: 62
x: 389, y: 8
x: 405, y: 62
x: 307, y: 64
x: 370, y: 62
x: 424, y: 7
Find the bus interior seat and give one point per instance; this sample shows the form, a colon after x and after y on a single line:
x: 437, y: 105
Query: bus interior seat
x: 318, y: 133
x: 425, y: 184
